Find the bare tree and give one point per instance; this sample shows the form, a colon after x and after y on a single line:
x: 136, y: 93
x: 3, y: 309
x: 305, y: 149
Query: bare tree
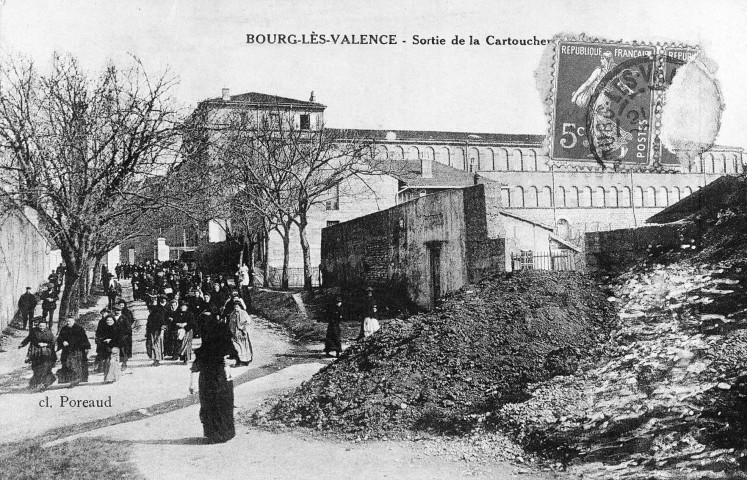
x: 277, y: 172
x: 84, y: 152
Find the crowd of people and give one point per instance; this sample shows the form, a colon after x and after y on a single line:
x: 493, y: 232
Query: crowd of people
x: 184, y: 305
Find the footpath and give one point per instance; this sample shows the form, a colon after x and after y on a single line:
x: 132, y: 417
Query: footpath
x: 152, y: 413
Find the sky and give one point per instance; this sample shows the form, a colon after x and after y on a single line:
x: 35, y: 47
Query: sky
x: 471, y: 88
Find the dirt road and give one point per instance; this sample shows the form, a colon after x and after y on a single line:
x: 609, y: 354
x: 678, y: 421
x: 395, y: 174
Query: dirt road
x: 152, y: 412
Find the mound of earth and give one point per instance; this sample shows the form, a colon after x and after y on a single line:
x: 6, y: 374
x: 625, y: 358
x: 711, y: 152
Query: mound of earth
x: 440, y: 371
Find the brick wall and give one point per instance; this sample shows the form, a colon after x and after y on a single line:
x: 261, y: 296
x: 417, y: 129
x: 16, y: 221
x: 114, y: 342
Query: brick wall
x: 391, y: 250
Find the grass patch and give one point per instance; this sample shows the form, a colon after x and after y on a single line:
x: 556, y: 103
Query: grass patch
x: 280, y: 308
x: 80, y: 459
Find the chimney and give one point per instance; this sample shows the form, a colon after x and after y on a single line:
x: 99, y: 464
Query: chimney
x: 426, y: 167
x: 226, y: 95
x: 312, y: 98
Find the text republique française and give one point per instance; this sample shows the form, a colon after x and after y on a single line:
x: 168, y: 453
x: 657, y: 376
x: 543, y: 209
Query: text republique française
x: 384, y: 39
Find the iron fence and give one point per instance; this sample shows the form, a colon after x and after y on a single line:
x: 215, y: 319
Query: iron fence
x: 529, y: 260
x: 295, y: 277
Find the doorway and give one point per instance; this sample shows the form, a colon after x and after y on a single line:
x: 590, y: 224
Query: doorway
x: 435, y: 260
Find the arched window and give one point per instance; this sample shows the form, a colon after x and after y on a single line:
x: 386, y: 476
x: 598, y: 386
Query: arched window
x: 612, y: 199
x: 584, y: 199
x: 502, y: 159
x: 649, y: 199
x: 516, y: 162
x: 530, y: 160
x: 517, y: 197
x: 488, y: 162
x: 563, y: 228
x: 506, y: 197
x: 662, y: 197
x: 571, y: 199
x: 457, y: 158
x: 624, y: 197
x: 398, y: 153
x: 429, y: 153
x: 687, y: 191
x: 710, y: 163
x: 443, y: 156
x: 531, y: 197
x: 560, y: 197
x: 718, y: 163
x: 473, y: 159
x: 638, y: 198
x: 413, y: 153
x: 675, y: 195
x: 545, y: 197
x: 598, y: 198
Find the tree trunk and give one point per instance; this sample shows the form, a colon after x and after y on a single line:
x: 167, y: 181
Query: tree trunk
x: 266, y: 246
x: 302, y: 224
x: 286, y: 256
x: 69, y: 299
x: 83, y: 285
x: 96, y: 273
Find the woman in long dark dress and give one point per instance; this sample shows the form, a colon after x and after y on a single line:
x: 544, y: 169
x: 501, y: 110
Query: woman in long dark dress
x: 110, y: 337
x: 215, y: 384
x: 185, y: 324
x: 74, y: 344
x: 333, y: 340
x: 42, y: 355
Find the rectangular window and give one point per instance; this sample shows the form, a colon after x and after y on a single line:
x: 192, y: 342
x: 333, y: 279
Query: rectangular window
x: 306, y: 122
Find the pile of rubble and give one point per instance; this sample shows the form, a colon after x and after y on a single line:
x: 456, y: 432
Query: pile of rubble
x: 670, y: 402
x: 441, y: 372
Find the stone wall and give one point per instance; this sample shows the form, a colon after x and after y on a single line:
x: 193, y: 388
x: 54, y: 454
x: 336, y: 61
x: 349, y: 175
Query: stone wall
x: 391, y: 250
x: 26, y: 260
x: 617, y: 250
x: 358, y: 197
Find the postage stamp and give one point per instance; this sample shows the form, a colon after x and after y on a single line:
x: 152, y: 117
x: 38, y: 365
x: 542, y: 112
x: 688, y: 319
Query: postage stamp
x: 607, y: 100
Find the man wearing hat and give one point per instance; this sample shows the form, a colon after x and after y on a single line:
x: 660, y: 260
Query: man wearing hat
x: 49, y: 304
x: 26, y: 305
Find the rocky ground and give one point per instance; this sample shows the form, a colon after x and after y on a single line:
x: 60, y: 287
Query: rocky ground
x: 658, y: 352
x: 440, y: 372
x: 670, y: 400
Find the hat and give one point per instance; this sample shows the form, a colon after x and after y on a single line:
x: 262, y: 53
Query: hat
x: 28, y: 288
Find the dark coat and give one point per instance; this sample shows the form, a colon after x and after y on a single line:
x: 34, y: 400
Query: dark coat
x: 27, y: 302
x: 113, y: 333
x: 49, y: 300
x: 75, y: 336
x: 157, y: 320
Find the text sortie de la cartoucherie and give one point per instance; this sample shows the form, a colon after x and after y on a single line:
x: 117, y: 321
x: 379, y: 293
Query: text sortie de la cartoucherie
x: 382, y: 39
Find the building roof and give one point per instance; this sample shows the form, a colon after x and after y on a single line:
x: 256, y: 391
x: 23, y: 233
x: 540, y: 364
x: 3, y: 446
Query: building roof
x: 262, y: 99
x: 444, y: 176
x: 427, y: 136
